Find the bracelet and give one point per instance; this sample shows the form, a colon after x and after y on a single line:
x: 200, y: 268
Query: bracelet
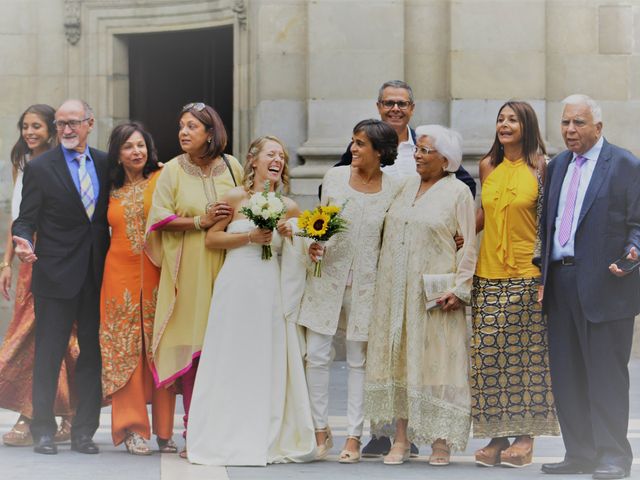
x: 249, y: 237
x: 196, y: 222
x: 4, y: 265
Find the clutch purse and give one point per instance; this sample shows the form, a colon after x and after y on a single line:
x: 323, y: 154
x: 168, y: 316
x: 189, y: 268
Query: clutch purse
x: 435, y: 286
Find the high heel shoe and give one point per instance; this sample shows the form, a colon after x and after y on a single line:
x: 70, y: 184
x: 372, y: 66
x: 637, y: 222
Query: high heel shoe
x: 64, y: 431
x: 489, y: 456
x: 166, y: 445
x: 136, y: 445
x: 398, y: 454
x: 322, y: 450
x: 20, y: 434
x: 350, y: 456
x: 517, y: 455
x: 440, y: 454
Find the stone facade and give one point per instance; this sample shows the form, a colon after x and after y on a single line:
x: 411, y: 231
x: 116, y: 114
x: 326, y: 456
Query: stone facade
x: 308, y: 70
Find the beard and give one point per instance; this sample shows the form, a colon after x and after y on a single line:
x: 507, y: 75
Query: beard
x: 70, y: 143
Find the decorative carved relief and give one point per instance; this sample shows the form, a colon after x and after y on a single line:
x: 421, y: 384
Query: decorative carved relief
x: 240, y: 9
x: 72, y: 20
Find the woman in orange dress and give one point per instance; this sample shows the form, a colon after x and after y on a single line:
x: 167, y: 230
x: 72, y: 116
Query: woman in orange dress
x: 128, y: 299
x: 37, y: 135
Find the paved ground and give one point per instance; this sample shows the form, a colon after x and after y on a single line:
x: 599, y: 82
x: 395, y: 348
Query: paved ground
x: 115, y: 463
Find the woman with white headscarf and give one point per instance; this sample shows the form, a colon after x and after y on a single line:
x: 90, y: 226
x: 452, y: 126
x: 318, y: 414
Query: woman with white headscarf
x: 417, y: 358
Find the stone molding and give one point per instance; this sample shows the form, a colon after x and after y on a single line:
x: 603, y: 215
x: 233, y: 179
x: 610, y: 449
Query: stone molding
x: 101, y: 52
x: 72, y: 21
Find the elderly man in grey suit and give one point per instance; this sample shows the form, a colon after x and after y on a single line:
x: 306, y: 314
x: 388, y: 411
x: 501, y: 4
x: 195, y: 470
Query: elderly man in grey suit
x: 590, y: 226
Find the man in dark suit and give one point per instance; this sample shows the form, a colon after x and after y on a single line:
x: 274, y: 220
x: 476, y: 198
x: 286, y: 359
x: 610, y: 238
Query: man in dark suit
x: 64, y: 205
x: 395, y: 106
x: 591, y: 217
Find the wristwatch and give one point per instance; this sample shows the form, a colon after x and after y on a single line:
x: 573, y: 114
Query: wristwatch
x: 4, y: 265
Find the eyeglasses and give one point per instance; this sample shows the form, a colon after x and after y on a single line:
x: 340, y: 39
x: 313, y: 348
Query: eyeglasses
x: 423, y: 150
x: 389, y: 104
x: 72, y: 124
x: 197, y: 106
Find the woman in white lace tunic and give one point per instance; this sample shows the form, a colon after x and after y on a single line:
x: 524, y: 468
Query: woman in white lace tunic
x: 417, y: 367
x: 344, y: 293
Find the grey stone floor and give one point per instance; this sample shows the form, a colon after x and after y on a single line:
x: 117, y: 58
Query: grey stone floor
x: 115, y: 463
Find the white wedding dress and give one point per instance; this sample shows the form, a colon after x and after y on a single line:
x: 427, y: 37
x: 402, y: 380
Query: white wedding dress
x: 250, y: 404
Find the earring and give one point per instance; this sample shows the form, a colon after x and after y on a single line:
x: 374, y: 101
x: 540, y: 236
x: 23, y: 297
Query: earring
x: 209, y: 141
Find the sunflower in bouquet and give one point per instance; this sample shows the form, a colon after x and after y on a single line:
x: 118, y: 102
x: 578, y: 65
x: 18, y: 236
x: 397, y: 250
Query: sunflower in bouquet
x: 320, y: 224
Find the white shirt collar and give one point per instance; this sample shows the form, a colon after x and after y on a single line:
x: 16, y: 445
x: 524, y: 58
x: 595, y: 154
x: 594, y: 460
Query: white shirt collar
x: 593, y: 153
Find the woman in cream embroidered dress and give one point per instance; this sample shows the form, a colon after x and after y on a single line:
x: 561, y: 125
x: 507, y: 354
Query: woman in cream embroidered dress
x: 128, y: 299
x: 37, y: 135
x: 344, y: 293
x: 185, y: 204
x: 250, y: 403
x: 417, y: 360
x: 510, y: 379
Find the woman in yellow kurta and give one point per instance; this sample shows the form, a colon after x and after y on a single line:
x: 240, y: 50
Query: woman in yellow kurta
x: 128, y: 298
x: 511, y: 384
x: 185, y: 204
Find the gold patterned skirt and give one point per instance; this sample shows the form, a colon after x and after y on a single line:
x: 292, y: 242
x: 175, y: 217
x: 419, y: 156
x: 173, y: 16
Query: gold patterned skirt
x: 510, y: 379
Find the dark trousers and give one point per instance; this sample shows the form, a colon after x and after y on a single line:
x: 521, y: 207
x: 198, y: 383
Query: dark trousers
x: 54, y: 319
x: 589, y: 373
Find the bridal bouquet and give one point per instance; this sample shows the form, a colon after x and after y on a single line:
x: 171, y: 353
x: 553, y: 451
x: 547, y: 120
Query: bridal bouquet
x: 321, y: 224
x: 264, y: 210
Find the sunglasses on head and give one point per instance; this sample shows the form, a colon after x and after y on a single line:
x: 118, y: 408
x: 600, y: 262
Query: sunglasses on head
x: 197, y: 106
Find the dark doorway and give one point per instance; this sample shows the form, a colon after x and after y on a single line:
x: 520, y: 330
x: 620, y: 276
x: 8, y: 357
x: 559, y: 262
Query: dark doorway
x: 170, y: 69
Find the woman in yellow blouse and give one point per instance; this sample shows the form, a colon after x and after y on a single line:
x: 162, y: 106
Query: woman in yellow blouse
x: 511, y: 384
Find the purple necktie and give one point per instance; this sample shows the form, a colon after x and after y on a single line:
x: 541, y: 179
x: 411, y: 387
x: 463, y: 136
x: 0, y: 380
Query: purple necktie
x: 570, y: 204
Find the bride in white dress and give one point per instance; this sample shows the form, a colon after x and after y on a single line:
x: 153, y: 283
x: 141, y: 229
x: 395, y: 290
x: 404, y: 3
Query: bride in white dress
x: 250, y: 403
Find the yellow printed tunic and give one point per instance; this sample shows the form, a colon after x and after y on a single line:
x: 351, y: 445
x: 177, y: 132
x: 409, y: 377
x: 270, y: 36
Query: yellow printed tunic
x: 188, y: 268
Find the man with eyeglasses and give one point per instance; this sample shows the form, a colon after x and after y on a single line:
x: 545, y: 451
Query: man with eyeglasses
x: 64, y: 204
x: 395, y: 106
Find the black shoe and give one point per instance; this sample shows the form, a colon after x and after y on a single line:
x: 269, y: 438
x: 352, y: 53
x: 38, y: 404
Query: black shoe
x: 45, y: 445
x: 414, y: 450
x: 608, y: 471
x: 567, y: 467
x: 377, y: 447
x: 84, y: 444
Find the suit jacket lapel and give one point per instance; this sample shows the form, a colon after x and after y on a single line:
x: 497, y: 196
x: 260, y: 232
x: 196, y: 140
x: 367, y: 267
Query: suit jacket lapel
x: 61, y: 169
x: 597, y: 178
x: 555, y: 187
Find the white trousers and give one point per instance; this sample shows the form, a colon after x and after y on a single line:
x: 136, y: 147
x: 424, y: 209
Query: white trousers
x: 317, y: 367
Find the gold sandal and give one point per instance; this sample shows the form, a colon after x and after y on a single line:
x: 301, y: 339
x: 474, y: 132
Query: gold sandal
x: 322, y: 450
x: 398, y: 454
x: 63, y: 434
x: 440, y: 454
x: 20, y: 434
x: 166, y: 445
x: 136, y: 445
x: 349, y: 456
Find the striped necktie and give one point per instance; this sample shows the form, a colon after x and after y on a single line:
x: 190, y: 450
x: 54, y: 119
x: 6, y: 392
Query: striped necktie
x: 86, y: 187
x: 566, y: 222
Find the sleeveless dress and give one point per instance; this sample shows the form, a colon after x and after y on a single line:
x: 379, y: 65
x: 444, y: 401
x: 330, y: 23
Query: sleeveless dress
x: 510, y: 379
x: 250, y: 404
